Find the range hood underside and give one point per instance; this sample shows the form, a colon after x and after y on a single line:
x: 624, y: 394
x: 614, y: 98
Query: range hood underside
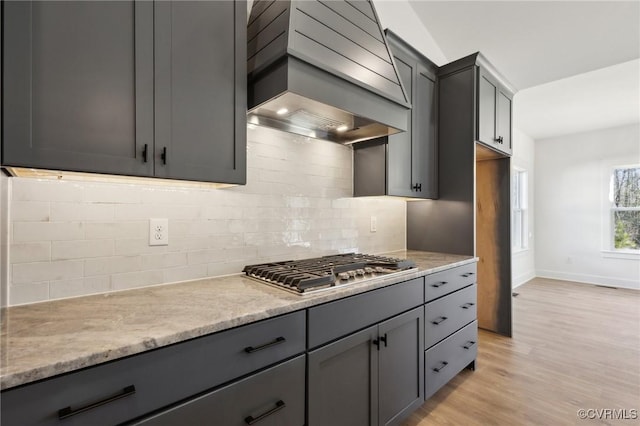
x: 319, y: 103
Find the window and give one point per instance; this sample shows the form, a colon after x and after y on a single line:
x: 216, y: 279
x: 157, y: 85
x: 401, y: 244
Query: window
x: 624, y: 195
x: 519, y: 225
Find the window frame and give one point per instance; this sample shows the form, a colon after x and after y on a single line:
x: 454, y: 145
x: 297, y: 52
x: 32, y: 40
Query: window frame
x: 611, y: 250
x: 520, y: 208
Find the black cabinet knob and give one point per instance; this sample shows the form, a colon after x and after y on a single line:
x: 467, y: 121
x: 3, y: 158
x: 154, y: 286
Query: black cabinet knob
x: 417, y: 187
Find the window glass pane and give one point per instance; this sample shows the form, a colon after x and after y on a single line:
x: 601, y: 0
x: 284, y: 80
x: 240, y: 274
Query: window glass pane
x: 627, y: 229
x: 517, y: 230
x: 514, y: 190
x: 626, y: 187
x: 523, y: 190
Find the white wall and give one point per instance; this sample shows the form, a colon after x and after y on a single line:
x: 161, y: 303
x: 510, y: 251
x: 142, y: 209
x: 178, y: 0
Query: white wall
x: 523, y: 262
x: 399, y: 17
x: 73, y: 238
x: 571, y: 187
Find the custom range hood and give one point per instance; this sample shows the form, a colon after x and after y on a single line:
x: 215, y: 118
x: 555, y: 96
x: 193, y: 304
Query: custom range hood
x: 322, y: 69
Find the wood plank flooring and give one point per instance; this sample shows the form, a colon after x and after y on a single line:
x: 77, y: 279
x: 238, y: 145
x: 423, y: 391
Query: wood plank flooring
x: 574, y: 346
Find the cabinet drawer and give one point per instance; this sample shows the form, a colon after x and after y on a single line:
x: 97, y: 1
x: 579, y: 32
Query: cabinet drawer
x: 441, y: 283
x: 449, y: 357
x: 342, y: 317
x: 160, y: 377
x: 272, y: 397
x: 449, y: 314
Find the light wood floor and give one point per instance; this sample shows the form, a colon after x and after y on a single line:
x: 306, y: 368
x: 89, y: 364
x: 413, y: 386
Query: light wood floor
x: 574, y: 346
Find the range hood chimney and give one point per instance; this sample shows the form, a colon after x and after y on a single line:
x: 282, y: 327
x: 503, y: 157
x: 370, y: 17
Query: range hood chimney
x: 323, y: 69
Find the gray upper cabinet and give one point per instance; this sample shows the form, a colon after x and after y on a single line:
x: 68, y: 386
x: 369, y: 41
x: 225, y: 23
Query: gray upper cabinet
x: 404, y: 164
x: 201, y: 102
x: 494, y: 113
x: 78, y: 86
x: 129, y: 88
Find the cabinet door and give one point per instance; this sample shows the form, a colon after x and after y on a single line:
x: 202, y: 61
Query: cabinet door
x: 200, y: 93
x: 504, y: 122
x: 399, y: 147
x: 78, y: 86
x: 424, y: 158
x: 487, y: 91
x: 274, y: 397
x: 342, y: 382
x: 400, y: 370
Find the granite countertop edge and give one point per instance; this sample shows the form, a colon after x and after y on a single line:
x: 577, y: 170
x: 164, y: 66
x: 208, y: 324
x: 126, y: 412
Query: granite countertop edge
x: 274, y: 302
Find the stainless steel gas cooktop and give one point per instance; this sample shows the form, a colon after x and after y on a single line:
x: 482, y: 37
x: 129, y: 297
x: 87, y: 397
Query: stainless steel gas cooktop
x: 327, y: 272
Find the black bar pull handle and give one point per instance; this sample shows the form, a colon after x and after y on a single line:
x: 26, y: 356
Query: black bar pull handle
x: 467, y: 305
x: 251, y: 420
x: 145, y: 152
x: 469, y: 344
x: 68, y: 411
x: 468, y: 274
x: 439, y: 284
x: 443, y: 364
x: 163, y: 156
x: 439, y: 320
x: 383, y: 339
x: 376, y: 342
x: 276, y: 341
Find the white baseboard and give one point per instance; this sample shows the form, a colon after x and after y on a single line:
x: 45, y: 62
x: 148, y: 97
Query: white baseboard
x: 522, y: 278
x: 589, y: 279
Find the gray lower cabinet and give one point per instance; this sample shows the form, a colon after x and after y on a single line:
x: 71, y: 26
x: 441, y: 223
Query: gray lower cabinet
x: 446, y: 359
x: 129, y: 388
x: 404, y: 164
x: 372, y: 377
x: 273, y: 397
x: 130, y: 88
x: 450, y: 325
x: 448, y: 314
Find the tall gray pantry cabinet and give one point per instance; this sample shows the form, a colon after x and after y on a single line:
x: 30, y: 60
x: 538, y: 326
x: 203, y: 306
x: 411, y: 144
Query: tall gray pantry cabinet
x: 128, y: 88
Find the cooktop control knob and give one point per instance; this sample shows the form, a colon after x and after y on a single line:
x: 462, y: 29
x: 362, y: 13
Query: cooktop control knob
x: 368, y: 270
x: 359, y: 272
x: 344, y: 276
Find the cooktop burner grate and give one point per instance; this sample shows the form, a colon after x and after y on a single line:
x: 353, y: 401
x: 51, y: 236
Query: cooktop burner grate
x: 303, y: 276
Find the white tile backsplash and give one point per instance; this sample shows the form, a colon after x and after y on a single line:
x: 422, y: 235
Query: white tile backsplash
x: 74, y: 238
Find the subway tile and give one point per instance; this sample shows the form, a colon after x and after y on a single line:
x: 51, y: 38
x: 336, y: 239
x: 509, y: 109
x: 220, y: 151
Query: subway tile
x: 136, y: 279
x: 113, y: 193
x: 63, y: 250
x: 191, y: 272
x: 79, y: 287
x: 46, y: 271
x: 28, y: 293
x: 112, y: 265
x: 138, y: 246
x: 164, y: 260
x: 47, y: 231
x: 69, y: 212
x: 29, y: 189
x: 30, y: 252
x: 117, y: 230
x: 30, y: 211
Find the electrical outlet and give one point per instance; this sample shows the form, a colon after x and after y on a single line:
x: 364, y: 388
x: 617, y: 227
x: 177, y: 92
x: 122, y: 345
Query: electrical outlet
x: 158, y: 232
x: 374, y: 224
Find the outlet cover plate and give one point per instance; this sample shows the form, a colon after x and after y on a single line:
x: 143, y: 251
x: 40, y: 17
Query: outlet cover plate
x: 158, y: 232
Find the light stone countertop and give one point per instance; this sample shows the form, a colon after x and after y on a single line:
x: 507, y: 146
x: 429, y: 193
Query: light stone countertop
x: 46, y: 339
